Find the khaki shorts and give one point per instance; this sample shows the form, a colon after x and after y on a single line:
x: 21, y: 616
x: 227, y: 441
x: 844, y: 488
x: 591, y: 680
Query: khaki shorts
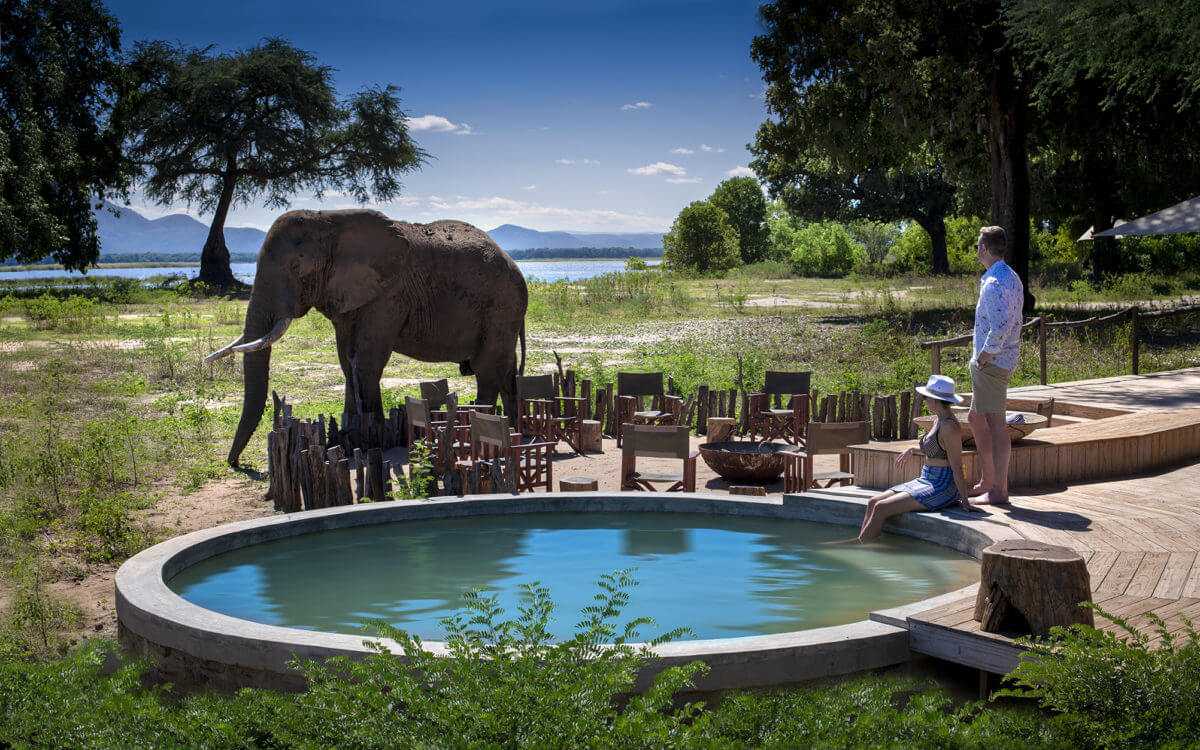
x: 989, y: 388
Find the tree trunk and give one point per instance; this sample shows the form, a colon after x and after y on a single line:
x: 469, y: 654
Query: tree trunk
x: 214, y: 259
x: 939, y: 258
x: 1008, y: 150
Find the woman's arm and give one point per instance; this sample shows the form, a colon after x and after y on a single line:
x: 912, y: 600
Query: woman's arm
x: 951, y: 436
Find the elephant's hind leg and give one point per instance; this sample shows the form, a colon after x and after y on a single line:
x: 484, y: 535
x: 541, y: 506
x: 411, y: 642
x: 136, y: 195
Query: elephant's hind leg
x: 495, y: 374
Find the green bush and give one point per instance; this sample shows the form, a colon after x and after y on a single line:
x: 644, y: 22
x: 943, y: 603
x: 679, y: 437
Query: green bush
x: 824, y: 249
x: 1114, y: 690
x: 634, y: 263
x: 74, y: 314
x: 505, y: 684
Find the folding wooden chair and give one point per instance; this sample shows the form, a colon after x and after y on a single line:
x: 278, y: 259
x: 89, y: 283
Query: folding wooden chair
x: 651, y: 441
x: 544, y: 415
x: 769, y: 418
x: 436, y: 393
x: 824, y: 438
x: 632, y: 389
x: 497, y: 452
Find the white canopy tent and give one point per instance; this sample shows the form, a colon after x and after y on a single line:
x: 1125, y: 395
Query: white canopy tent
x: 1178, y: 219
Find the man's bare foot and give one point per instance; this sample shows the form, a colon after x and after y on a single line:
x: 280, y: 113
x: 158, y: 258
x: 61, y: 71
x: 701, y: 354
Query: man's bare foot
x: 979, y: 489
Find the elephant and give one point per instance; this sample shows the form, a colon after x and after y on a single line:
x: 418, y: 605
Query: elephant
x: 437, y: 292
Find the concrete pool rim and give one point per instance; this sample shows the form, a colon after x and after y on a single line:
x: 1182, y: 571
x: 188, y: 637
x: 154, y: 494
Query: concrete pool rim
x: 196, y: 645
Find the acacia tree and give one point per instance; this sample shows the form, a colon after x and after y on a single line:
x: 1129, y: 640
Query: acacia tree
x: 214, y: 130
x: 60, y: 144
x: 742, y: 200
x: 701, y: 239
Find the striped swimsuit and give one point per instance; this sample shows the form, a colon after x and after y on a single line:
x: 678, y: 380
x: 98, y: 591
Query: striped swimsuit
x: 935, y: 488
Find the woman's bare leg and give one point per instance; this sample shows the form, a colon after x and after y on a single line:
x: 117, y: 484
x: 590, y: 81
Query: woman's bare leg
x: 871, y: 505
x: 900, y: 502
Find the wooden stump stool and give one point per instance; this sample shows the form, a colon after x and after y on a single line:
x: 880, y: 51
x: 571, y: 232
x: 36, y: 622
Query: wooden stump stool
x: 1030, y: 587
x: 720, y: 429
x: 591, y: 439
x: 578, y: 484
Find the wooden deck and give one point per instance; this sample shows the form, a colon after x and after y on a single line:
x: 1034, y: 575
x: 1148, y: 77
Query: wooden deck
x: 1140, y: 534
x: 1117, y: 427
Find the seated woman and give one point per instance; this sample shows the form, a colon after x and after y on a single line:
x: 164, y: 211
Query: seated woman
x: 941, y: 483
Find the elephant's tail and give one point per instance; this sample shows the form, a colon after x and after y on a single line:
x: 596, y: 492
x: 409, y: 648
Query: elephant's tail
x: 521, y: 367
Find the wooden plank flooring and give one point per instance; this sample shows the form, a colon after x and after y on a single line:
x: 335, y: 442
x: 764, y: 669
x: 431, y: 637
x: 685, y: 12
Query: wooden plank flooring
x: 1140, y: 535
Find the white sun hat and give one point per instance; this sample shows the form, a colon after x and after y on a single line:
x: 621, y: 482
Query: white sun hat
x: 940, y: 388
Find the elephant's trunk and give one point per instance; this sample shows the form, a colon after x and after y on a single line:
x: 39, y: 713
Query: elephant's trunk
x: 257, y: 371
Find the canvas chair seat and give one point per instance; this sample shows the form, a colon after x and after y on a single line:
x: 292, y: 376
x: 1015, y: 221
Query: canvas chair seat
x: 658, y: 476
x: 832, y: 476
x: 651, y: 414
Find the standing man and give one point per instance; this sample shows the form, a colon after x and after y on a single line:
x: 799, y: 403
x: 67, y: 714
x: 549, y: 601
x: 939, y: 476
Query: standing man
x: 997, y: 349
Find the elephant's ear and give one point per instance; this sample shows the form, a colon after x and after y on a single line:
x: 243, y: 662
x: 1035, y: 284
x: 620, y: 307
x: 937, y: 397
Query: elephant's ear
x: 350, y: 288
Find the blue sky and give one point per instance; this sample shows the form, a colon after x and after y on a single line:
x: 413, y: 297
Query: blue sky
x: 594, y: 116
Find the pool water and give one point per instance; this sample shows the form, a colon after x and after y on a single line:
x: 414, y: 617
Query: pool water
x: 720, y: 576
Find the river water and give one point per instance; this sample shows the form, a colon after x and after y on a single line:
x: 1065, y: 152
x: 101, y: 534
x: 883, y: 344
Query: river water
x: 541, y: 270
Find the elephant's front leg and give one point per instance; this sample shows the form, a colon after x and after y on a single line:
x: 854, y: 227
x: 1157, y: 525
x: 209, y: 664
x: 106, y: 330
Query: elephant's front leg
x: 363, y: 354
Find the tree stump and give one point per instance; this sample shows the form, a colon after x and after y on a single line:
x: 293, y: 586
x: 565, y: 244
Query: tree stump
x: 1029, y: 587
x: 578, y: 484
x: 591, y: 440
x: 720, y: 429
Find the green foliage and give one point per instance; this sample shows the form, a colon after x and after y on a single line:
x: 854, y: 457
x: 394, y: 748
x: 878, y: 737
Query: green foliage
x: 60, y: 143
x: 1115, y: 690
x: 34, y: 619
x: 823, y: 249
x: 701, y: 240
x: 74, y: 314
x: 420, y: 480
x: 764, y: 269
x: 634, y: 263
x: 632, y: 293
x: 741, y: 198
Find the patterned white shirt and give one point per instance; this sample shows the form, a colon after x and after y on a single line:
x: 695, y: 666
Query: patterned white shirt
x: 998, y: 316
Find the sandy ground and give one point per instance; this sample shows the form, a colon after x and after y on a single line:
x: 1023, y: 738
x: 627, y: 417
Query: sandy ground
x: 223, y: 501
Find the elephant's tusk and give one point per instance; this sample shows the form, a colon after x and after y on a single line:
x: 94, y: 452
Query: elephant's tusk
x: 275, y: 334
x: 224, y: 351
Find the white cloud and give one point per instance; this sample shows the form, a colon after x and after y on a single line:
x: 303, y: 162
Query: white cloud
x: 659, y: 167
x: 682, y: 151
x: 684, y: 180
x: 712, y: 149
x: 740, y: 171
x: 490, y: 211
x: 564, y: 161
x: 438, y: 124
x: 530, y: 187
x: 636, y: 105
x: 569, y: 162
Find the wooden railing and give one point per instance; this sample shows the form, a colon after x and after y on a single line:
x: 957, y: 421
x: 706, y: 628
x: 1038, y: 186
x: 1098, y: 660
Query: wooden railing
x: 1044, y: 328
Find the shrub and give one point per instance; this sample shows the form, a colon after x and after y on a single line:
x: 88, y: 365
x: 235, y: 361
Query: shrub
x: 634, y: 263
x: 71, y: 315
x: 1114, y: 689
x: 824, y: 249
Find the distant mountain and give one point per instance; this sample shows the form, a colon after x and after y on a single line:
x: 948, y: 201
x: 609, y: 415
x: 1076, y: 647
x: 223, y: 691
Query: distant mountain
x: 180, y: 234
x: 512, y: 237
x: 174, y: 234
